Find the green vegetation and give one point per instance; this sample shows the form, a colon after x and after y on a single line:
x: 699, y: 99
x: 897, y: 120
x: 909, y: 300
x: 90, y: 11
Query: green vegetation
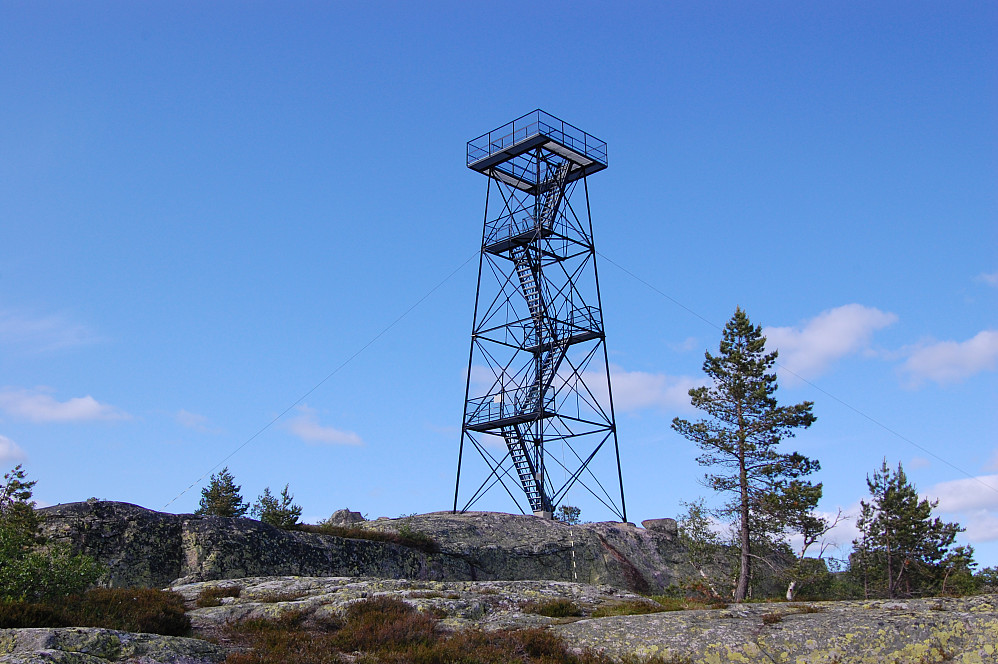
x: 740, y: 437
x: 280, y: 512
x: 568, y: 514
x: 27, y: 571
x: 553, y: 608
x: 131, y: 610
x: 405, y: 537
x: 388, y: 631
x: 221, y: 497
x: 212, y: 596
x: 902, y: 550
x: 628, y: 608
x: 672, y: 603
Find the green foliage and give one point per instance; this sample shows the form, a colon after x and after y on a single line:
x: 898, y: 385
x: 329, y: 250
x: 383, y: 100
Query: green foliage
x: 221, y: 497
x: 986, y: 579
x: 705, y: 552
x: 131, y: 610
x: 27, y: 572
x: 901, y: 549
x: 740, y: 437
x: 568, y: 514
x: 280, y: 512
x: 553, y: 608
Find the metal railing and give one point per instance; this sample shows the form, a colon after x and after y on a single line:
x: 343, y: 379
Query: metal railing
x: 533, y: 124
x: 501, y: 405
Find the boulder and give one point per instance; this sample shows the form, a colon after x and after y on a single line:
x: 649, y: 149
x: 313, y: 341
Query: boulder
x: 92, y: 645
x: 345, y: 518
x: 666, y: 526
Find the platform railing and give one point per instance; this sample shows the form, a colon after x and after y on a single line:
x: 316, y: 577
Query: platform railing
x: 533, y: 124
x: 501, y: 405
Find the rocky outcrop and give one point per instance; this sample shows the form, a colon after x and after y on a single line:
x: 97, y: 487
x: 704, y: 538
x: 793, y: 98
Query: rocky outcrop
x: 909, y: 632
x: 853, y: 632
x: 87, y: 645
x: 141, y: 547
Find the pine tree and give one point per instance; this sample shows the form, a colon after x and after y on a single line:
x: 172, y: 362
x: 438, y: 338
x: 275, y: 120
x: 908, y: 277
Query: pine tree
x: 741, y: 436
x: 280, y: 512
x: 221, y: 497
x: 901, y: 547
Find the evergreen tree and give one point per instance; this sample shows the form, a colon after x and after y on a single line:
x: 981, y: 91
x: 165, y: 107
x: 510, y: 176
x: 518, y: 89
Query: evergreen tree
x: 221, y: 497
x: 741, y: 436
x: 901, y: 547
x: 280, y: 512
x: 27, y: 573
x: 569, y: 514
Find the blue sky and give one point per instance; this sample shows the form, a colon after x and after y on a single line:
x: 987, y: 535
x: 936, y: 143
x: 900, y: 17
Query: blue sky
x: 207, y: 208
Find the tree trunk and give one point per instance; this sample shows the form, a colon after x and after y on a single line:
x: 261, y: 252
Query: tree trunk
x: 741, y: 591
x: 790, y: 591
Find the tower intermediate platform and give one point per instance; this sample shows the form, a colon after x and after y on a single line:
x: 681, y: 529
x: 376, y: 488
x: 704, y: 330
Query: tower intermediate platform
x: 538, y: 402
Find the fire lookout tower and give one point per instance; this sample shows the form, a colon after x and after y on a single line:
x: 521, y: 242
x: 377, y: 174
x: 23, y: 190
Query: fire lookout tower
x: 538, y: 404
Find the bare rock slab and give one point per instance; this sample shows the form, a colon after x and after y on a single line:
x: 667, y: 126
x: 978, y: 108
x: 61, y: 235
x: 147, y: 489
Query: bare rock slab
x: 860, y: 632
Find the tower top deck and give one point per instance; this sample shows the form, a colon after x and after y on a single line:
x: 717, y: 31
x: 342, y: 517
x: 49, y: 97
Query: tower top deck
x: 507, y: 153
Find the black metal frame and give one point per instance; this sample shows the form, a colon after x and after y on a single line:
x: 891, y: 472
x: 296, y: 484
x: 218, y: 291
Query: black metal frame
x: 537, y: 340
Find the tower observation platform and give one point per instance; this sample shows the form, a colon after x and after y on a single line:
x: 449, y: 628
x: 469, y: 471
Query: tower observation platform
x: 538, y: 380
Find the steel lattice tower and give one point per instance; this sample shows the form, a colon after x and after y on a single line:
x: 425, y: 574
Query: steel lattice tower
x: 538, y: 396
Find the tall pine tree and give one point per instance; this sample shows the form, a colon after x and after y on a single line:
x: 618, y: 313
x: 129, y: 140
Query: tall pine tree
x: 740, y: 437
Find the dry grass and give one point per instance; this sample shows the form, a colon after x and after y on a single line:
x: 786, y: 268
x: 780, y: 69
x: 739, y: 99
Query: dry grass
x: 688, y: 603
x: 629, y: 608
x: 385, y: 630
x: 127, y: 609
x: 553, y: 608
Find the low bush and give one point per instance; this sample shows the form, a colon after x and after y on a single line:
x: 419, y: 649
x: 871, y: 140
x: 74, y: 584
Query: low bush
x: 127, y: 609
x: 670, y: 603
x: 553, y: 608
x: 630, y: 608
x: 389, y: 631
x: 212, y: 596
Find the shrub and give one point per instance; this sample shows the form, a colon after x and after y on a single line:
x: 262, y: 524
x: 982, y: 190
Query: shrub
x: 629, y: 608
x: 554, y: 608
x: 213, y: 595
x: 25, y: 572
x: 771, y: 618
x: 131, y: 610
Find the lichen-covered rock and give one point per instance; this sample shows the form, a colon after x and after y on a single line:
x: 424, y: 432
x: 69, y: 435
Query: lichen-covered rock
x: 88, y: 645
x: 345, y: 517
x: 860, y: 632
x: 667, y: 526
x: 461, y: 604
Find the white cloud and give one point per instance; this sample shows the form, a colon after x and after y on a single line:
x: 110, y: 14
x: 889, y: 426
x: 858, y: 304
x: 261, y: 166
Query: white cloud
x: 981, y: 525
x: 989, y: 279
x: 10, y: 451
x: 40, y: 407
x: 809, y: 349
x: 918, y: 462
x: 194, y: 421
x: 639, y: 390
x: 952, y: 361
x: 686, y: 345
x: 43, y: 333
x: 306, y: 426
x: 966, y: 494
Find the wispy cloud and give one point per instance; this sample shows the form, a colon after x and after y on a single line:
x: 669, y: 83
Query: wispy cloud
x: 10, y: 452
x: 39, y: 406
x: 966, y: 494
x: 952, y: 361
x: 809, y: 349
x: 306, y: 426
x: 640, y: 390
x: 43, y: 333
x: 972, y: 502
x: 196, y: 422
x: 991, y: 279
